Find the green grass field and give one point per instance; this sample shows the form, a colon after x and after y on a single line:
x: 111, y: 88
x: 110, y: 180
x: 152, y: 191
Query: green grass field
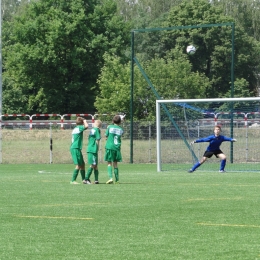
x: 149, y: 215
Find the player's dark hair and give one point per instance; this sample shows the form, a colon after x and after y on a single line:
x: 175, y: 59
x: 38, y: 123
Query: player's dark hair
x: 79, y: 121
x: 117, y: 119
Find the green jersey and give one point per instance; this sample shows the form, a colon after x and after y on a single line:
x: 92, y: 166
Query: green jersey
x: 94, y: 136
x: 77, y: 137
x: 113, y: 134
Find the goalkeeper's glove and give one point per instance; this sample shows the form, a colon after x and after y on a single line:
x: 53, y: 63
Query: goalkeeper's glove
x: 193, y: 142
x: 234, y: 140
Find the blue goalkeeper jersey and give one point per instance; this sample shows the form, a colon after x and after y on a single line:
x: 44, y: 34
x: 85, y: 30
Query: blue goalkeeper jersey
x: 214, y: 142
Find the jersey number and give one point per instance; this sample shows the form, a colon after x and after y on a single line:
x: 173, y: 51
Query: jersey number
x: 116, y: 140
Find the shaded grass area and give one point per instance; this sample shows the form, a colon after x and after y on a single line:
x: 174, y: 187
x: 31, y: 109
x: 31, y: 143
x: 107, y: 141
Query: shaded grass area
x: 149, y: 215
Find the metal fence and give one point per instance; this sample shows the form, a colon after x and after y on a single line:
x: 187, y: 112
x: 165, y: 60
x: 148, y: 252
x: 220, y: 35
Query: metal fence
x: 47, y: 142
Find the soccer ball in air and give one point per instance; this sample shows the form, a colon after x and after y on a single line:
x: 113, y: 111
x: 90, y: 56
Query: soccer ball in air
x: 191, y: 49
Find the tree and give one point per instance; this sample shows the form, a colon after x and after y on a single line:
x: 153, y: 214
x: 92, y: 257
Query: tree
x: 213, y: 56
x: 172, y: 72
x: 114, y: 85
x: 143, y: 11
x: 10, y: 7
x: 245, y: 13
x: 172, y: 78
x: 53, y: 53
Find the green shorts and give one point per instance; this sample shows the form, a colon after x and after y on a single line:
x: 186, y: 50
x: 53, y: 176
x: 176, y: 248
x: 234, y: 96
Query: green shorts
x: 77, y: 156
x: 113, y: 156
x: 92, y: 158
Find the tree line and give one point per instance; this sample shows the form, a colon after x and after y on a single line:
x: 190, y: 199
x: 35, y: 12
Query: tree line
x: 74, y: 56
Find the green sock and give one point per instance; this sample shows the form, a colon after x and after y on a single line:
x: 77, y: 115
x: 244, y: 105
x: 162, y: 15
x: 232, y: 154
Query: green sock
x: 109, y: 171
x: 96, y: 174
x: 116, y: 172
x: 89, y: 172
x: 82, y: 172
x: 75, y: 174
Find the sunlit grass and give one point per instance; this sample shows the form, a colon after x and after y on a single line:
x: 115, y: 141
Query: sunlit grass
x: 149, y: 215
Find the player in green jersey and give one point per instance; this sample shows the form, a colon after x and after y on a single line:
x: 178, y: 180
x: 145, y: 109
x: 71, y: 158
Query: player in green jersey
x: 113, y: 148
x: 92, y: 151
x: 75, y: 149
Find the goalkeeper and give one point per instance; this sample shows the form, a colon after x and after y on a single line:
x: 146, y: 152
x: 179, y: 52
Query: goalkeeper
x: 215, y: 141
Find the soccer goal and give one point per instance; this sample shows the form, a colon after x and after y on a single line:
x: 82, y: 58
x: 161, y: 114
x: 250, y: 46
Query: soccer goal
x: 180, y: 121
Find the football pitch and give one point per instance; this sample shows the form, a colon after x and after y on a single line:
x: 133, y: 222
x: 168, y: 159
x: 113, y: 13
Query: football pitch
x: 149, y: 215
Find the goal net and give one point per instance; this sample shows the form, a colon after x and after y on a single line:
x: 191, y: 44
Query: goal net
x: 179, y: 122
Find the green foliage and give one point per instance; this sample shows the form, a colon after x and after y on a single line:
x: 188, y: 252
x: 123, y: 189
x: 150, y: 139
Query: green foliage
x: 142, y: 12
x: 10, y: 7
x: 173, y: 73
x: 172, y: 77
x: 114, y: 82
x: 213, y: 56
x: 53, y: 53
x: 245, y: 13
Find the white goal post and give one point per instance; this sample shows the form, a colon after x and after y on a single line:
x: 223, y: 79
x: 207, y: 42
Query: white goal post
x: 162, y: 105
